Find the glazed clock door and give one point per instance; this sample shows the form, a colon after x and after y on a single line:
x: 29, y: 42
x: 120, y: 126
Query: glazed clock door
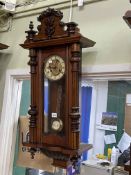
x: 54, y: 80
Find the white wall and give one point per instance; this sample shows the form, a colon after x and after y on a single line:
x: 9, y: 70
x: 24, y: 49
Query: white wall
x: 99, y: 105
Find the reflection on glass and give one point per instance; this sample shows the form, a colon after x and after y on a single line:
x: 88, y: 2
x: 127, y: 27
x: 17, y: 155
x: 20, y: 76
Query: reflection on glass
x: 46, y: 90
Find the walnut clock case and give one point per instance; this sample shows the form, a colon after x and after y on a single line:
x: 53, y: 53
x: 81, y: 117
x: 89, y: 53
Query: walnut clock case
x: 55, y: 64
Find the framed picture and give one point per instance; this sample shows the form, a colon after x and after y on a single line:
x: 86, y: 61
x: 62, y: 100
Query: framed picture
x: 108, y: 121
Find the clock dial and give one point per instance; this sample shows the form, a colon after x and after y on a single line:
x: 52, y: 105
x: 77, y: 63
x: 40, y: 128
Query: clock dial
x: 54, y: 68
x: 57, y: 125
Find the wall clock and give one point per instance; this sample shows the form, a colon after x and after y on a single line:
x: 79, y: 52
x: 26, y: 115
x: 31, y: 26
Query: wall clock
x: 55, y: 67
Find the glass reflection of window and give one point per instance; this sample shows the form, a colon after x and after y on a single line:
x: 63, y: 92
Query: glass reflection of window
x: 46, y: 106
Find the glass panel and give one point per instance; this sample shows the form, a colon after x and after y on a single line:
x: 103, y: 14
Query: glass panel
x: 54, y: 94
x: 109, y: 113
x: 117, y: 91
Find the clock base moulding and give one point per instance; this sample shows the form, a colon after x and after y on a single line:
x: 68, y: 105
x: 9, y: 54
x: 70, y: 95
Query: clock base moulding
x: 62, y: 157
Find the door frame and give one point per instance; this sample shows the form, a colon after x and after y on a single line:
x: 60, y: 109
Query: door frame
x: 9, y: 117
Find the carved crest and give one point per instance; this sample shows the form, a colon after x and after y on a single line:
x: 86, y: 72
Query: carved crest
x: 51, y: 25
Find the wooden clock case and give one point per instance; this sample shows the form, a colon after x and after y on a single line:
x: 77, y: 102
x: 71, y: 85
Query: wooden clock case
x: 63, y: 39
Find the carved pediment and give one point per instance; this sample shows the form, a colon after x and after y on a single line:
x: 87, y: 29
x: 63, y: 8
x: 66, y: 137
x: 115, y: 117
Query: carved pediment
x: 51, y: 25
x: 53, y: 31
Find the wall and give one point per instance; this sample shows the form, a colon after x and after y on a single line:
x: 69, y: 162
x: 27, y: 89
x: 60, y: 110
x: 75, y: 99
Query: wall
x: 101, y: 21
